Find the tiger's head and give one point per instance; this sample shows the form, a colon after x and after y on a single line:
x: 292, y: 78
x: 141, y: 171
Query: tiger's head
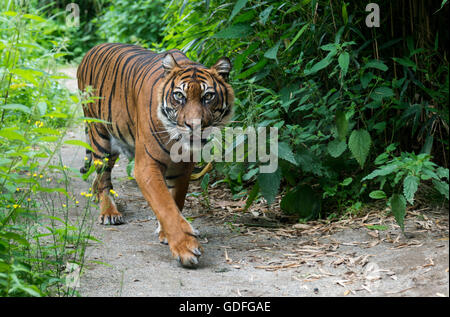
x: 194, y: 98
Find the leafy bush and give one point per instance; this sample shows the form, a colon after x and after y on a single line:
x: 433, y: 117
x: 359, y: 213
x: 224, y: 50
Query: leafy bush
x: 128, y: 21
x: 38, y: 242
x: 339, y: 92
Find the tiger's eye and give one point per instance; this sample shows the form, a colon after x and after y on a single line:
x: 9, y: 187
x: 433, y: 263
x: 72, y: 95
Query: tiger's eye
x: 208, y: 96
x: 178, y: 95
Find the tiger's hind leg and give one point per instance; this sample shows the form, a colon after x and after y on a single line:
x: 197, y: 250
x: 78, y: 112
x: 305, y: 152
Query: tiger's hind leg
x: 102, y: 187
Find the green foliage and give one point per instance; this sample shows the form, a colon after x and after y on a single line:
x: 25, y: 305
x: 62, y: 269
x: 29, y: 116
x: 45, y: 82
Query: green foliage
x: 37, y: 240
x: 128, y: 21
x: 401, y: 176
x: 339, y: 92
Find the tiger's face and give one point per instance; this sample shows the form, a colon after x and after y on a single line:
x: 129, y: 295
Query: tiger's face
x: 194, y: 98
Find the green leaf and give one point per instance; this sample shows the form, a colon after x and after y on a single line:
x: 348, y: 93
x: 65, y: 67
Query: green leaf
x: 318, y: 66
x: 285, y: 153
x: 381, y: 92
x: 264, y: 15
x: 252, y: 196
x: 377, y: 194
x: 205, y: 182
x: 410, y: 185
x: 42, y: 107
x: 272, y: 52
x: 237, y: 8
x: 336, y: 148
x: 15, y: 106
x: 359, y: 144
x: 376, y: 64
x: 344, y: 12
x: 234, y: 31
x: 347, y: 181
x: 377, y: 227
x: 11, y: 134
x: 79, y: 143
x: 269, y: 184
x: 262, y: 62
x: 302, y: 201
x: 341, y: 125
x: 34, y: 17
x: 130, y: 168
x: 442, y: 188
x: 297, y: 36
x: 398, y: 208
x: 344, y: 60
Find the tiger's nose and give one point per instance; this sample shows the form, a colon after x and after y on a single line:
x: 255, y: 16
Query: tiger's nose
x: 193, y: 124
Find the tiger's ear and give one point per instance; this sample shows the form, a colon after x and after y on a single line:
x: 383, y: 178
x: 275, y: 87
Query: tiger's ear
x: 169, y: 63
x: 223, y: 67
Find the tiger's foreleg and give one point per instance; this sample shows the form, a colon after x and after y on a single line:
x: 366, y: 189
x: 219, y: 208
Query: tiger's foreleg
x: 180, y: 235
x: 177, y: 182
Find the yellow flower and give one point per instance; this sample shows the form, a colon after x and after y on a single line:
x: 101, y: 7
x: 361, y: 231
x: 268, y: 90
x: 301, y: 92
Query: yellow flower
x: 29, y: 199
x: 106, y: 159
x: 34, y: 175
x: 64, y: 205
x: 41, y: 176
x: 77, y: 202
x: 98, y: 162
x: 85, y: 158
x: 17, y: 189
x: 113, y: 192
x: 82, y: 193
x: 88, y: 195
x: 16, y: 206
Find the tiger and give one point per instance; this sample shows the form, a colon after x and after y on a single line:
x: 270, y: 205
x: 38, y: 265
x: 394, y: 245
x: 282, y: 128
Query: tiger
x: 146, y: 102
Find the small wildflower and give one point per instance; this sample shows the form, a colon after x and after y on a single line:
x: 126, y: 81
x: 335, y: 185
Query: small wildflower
x: 113, y: 192
x: 64, y: 166
x: 28, y: 199
x: 34, y: 175
x: 88, y: 195
x: 106, y: 159
x: 77, y: 202
x: 64, y: 205
x: 85, y: 158
x: 16, y: 206
x: 82, y: 193
x: 17, y: 189
x: 98, y: 162
x: 41, y: 176
x: 51, y: 117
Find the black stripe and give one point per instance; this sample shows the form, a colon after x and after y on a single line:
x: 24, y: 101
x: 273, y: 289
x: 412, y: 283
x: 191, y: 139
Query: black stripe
x: 154, y: 159
x: 173, y: 176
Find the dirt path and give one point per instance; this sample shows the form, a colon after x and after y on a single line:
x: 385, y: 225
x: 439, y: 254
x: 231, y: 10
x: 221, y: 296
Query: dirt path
x: 253, y: 254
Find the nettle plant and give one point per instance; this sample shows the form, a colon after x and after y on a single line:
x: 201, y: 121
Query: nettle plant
x: 400, y: 176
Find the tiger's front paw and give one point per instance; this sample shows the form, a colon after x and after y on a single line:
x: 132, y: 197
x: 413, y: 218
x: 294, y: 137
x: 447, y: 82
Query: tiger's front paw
x: 187, y: 250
